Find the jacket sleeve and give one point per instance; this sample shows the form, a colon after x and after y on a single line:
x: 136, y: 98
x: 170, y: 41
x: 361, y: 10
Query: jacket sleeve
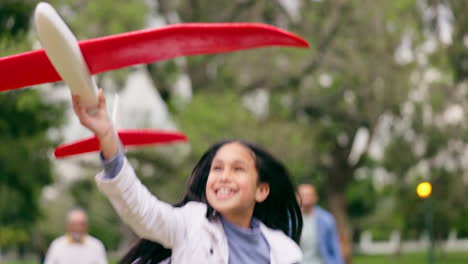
x: 334, y: 252
x: 149, y: 217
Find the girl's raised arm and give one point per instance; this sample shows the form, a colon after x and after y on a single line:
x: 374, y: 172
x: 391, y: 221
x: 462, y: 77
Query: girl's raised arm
x: 99, y: 123
x: 149, y: 217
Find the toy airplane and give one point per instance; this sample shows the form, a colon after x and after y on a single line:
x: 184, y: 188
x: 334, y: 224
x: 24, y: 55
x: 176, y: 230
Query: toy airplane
x: 63, y: 57
x: 62, y: 49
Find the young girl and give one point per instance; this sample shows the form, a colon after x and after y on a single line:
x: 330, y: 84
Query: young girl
x: 239, y: 206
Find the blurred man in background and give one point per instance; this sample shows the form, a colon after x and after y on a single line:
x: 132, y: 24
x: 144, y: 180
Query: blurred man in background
x: 76, y: 246
x: 319, y: 240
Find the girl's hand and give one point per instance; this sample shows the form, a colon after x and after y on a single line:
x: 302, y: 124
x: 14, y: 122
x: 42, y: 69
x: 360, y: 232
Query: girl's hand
x: 99, y: 123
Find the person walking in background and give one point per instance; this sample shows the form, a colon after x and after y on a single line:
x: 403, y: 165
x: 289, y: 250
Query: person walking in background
x: 319, y: 239
x: 76, y: 246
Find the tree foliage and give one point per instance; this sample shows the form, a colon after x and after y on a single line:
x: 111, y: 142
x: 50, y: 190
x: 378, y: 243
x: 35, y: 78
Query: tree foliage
x: 381, y: 66
x: 25, y: 118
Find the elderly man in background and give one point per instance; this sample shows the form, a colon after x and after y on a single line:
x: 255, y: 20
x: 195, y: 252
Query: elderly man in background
x: 76, y: 246
x: 319, y: 239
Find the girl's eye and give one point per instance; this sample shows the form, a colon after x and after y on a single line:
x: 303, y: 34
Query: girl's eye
x: 216, y: 168
x: 239, y: 169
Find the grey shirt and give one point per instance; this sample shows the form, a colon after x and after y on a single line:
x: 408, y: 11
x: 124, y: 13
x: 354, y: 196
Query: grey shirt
x: 309, y: 243
x: 246, y: 245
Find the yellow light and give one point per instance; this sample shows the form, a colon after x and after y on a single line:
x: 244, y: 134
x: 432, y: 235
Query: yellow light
x: 424, y: 189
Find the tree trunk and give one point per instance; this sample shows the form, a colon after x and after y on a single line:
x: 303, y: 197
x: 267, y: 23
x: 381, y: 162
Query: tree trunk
x: 335, y: 193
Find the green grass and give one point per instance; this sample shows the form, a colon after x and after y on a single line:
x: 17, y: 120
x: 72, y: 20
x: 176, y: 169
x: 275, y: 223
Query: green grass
x: 416, y: 258
x: 111, y: 261
x: 413, y: 258
x: 20, y: 262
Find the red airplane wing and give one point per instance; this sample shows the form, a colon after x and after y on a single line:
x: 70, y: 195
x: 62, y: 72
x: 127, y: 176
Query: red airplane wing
x: 146, y: 46
x: 128, y: 137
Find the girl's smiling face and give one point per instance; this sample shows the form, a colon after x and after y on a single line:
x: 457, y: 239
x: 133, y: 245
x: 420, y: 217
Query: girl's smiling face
x: 233, y: 185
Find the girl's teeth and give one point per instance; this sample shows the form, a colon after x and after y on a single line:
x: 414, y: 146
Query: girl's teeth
x: 224, y: 191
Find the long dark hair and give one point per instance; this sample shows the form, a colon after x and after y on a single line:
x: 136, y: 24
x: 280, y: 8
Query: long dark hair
x: 279, y: 211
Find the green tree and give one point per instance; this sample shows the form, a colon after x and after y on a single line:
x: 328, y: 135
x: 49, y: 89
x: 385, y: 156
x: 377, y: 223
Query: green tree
x: 437, y: 126
x: 352, y: 78
x: 25, y: 118
x: 346, y: 81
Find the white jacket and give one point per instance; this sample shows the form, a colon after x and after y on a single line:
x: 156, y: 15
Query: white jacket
x: 191, y: 236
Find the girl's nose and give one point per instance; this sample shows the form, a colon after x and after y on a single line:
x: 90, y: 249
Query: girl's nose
x: 225, y: 175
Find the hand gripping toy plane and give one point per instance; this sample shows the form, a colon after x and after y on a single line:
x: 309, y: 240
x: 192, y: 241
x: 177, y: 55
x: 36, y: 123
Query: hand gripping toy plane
x: 74, y: 62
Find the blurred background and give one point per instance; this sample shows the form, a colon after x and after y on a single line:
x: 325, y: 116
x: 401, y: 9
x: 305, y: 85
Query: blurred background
x: 373, y: 108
